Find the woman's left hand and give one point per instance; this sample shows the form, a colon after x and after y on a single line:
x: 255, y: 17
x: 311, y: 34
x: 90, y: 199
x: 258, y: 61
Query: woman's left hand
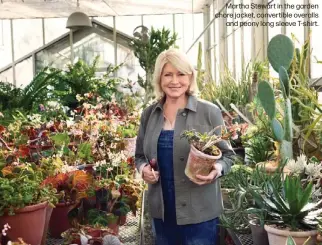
x: 207, y: 179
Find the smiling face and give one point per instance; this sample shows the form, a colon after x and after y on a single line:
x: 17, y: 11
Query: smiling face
x: 174, y: 83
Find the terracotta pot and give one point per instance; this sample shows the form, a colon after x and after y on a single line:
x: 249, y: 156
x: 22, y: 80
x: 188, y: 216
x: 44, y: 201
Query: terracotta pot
x: 114, y: 227
x: 259, y: 234
x: 27, y: 223
x: 279, y: 237
x: 122, y: 220
x: 59, y: 220
x: 48, y: 216
x: 199, y: 163
x: 130, y: 144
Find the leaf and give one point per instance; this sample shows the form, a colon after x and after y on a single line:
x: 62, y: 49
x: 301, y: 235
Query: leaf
x: 61, y: 139
x: 267, y: 98
x: 290, y: 241
x: 306, y: 196
x: 284, y: 81
x: 278, y: 130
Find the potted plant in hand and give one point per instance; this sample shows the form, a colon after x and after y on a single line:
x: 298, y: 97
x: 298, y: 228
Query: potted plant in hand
x: 203, y: 152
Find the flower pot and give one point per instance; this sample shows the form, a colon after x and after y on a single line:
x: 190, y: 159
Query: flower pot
x: 279, y: 236
x: 259, y: 234
x: 114, y: 227
x: 27, y: 223
x: 48, y: 216
x: 199, y: 163
x: 130, y: 144
x: 122, y: 220
x: 59, y: 221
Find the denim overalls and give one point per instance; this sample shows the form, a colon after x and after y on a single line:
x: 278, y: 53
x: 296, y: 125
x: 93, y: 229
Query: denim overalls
x: 167, y: 231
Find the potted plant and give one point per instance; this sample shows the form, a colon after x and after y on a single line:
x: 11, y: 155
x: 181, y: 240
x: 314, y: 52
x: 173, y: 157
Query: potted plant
x: 290, y: 211
x: 24, y: 202
x: 71, y: 187
x: 203, y: 152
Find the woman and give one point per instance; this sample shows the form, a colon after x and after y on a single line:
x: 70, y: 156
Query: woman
x: 183, y: 212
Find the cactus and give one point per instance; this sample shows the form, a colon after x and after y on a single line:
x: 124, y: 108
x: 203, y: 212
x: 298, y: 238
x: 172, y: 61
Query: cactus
x: 280, y: 55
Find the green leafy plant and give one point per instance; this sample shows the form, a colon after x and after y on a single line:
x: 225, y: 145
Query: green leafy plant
x: 21, y: 186
x: 204, y: 142
x: 292, y: 207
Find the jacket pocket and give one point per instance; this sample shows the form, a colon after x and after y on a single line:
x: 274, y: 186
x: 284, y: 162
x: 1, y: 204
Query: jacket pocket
x: 154, y: 200
x: 205, y: 198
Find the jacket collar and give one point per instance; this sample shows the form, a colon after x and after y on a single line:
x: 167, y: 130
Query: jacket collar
x: 191, y: 104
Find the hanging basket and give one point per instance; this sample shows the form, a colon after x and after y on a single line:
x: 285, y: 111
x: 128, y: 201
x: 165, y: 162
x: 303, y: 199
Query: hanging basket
x: 199, y: 163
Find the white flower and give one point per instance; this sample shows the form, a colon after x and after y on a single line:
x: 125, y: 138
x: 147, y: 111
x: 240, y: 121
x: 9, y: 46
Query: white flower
x: 49, y: 124
x: 70, y: 123
x: 79, y: 97
x: 66, y: 168
x: 53, y: 104
x: 313, y: 170
x: 302, y: 160
x: 87, y: 106
x: 295, y: 167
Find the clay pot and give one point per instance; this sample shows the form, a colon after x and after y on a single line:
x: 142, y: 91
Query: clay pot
x: 59, y: 221
x: 199, y: 163
x: 48, y: 216
x: 114, y: 228
x: 279, y: 236
x: 27, y: 223
x: 122, y: 220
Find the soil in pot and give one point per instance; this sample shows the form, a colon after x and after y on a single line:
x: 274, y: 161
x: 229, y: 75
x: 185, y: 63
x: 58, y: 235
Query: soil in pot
x: 199, y: 163
x: 259, y: 234
x: 27, y: 223
x: 279, y: 236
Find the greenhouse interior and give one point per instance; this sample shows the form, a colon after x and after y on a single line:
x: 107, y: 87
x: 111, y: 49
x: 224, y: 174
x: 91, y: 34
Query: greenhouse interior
x: 161, y: 122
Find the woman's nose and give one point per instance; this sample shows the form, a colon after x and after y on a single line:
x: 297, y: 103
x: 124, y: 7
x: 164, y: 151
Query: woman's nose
x: 174, y: 79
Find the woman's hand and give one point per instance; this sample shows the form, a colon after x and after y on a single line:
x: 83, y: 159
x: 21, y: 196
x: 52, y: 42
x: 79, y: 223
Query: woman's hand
x: 149, y: 175
x: 211, y: 177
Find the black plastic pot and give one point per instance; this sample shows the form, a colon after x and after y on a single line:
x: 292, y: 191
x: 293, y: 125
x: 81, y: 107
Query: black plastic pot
x: 259, y: 234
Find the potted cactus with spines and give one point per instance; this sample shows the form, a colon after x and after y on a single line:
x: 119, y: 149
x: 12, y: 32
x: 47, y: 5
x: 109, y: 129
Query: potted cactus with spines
x: 280, y: 55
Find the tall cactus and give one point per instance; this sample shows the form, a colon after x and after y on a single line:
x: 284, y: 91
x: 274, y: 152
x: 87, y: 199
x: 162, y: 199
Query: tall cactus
x: 280, y: 55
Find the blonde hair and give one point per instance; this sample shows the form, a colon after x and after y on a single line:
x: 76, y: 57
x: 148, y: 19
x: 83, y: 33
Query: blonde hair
x: 181, y: 62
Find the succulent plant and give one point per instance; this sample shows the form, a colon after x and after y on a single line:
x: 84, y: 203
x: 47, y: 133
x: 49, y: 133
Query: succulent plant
x: 280, y: 55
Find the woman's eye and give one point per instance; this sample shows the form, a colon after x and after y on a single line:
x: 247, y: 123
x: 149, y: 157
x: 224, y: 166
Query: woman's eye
x: 181, y: 74
x: 167, y: 75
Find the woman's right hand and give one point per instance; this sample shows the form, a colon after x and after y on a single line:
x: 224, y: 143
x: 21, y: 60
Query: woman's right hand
x: 149, y: 175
